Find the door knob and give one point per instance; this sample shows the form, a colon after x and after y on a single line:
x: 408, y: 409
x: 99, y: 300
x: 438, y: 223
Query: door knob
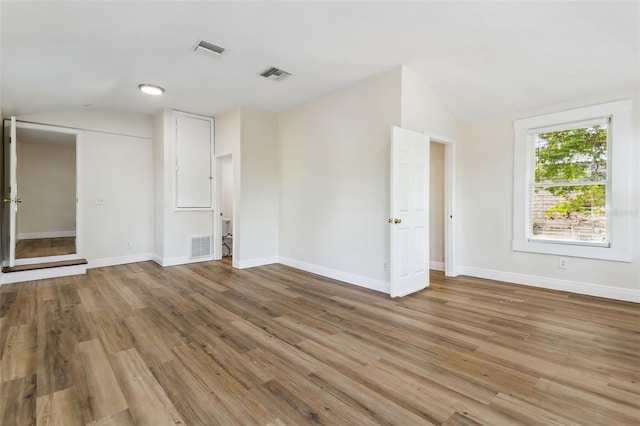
x: 397, y: 221
x: 8, y: 200
x: 18, y: 200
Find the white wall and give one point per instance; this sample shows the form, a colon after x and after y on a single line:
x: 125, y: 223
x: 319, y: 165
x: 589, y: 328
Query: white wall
x: 159, y: 183
x: 436, y: 204
x: 176, y: 226
x: 251, y: 136
x: 422, y: 110
x: 47, y: 176
x: 118, y: 170
x: 485, y: 166
x: 228, y: 141
x: 227, y: 132
x: 334, y: 187
x: 256, y: 228
x: 115, y: 155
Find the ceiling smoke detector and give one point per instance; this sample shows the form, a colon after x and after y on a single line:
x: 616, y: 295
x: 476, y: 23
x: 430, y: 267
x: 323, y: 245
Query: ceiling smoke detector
x: 210, y: 48
x: 275, y: 74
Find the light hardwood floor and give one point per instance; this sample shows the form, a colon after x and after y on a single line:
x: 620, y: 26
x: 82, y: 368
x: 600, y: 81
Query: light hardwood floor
x: 205, y: 344
x: 43, y: 247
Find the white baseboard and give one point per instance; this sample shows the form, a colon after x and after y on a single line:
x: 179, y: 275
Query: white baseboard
x: 436, y: 266
x: 347, y: 277
x: 629, y: 295
x: 259, y: 261
x: 42, y: 274
x: 174, y: 261
x: 52, y: 234
x: 120, y: 260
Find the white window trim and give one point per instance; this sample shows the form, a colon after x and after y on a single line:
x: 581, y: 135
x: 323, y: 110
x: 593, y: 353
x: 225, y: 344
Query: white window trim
x: 619, y: 248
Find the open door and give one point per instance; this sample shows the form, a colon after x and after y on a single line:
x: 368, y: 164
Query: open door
x: 10, y: 198
x: 409, y: 220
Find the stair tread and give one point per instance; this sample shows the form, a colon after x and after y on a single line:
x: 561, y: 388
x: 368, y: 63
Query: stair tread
x: 46, y: 265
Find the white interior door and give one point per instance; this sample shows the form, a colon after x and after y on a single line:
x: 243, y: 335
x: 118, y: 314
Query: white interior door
x: 409, y: 220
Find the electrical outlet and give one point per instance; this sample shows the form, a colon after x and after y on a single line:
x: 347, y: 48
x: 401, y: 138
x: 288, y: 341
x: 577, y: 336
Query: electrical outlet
x: 386, y: 266
x: 563, y: 263
x: 129, y: 245
x: 100, y: 201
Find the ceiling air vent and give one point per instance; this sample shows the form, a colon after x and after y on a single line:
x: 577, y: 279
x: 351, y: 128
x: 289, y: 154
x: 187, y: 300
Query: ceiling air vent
x: 275, y: 74
x: 206, y: 47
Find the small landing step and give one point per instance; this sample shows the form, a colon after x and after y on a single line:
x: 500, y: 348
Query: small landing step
x: 47, y: 265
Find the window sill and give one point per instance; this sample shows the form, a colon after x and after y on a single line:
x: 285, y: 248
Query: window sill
x: 572, y: 250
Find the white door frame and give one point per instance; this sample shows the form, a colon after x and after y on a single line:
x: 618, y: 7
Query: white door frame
x: 450, y: 222
x: 78, y: 135
x: 217, y: 217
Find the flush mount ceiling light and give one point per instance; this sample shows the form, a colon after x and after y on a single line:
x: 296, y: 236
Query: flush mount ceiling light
x: 150, y: 89
x: 210, y: 48
x: 275, y: 74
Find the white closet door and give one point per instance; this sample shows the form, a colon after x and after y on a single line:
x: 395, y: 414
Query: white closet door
x: 194, y: 153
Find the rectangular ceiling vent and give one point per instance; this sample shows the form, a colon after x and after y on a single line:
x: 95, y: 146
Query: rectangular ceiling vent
x: 275, y: 74
x: 200, y: 247
x: 206, y: 47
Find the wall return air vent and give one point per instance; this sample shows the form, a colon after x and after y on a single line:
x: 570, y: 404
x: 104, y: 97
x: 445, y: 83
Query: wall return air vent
x: 275, y: 74
x: 199, y: 246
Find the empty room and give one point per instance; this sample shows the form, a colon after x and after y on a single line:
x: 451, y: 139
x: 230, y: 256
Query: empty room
x: 320, y: 212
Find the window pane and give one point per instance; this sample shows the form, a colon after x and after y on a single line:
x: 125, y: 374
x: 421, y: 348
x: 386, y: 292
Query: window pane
x: 574, y: 155
x: 568, y: 213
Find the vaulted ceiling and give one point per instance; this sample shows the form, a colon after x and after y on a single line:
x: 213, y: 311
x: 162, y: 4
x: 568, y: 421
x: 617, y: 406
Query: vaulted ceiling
x: 483, y: 59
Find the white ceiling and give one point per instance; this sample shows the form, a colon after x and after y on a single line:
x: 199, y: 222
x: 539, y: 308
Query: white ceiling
x: 483, y: 59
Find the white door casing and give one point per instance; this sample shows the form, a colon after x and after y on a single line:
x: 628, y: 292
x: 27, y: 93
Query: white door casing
x: 409, y: 220
x: 11, y: 236
x: 13, y: 192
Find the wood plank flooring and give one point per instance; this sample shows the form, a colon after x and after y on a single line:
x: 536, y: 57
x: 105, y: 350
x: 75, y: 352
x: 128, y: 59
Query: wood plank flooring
x: 205, y: 344
x: 44, y: 247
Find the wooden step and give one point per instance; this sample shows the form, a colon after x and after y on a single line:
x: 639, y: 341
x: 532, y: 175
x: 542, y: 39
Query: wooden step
x: 47, y: 265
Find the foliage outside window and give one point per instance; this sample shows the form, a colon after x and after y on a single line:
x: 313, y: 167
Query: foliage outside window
x: 568, y: 192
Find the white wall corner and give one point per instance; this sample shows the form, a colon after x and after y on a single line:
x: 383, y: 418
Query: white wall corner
x: 625, y: 294
x: 347, y: 277
x: 157, y: 258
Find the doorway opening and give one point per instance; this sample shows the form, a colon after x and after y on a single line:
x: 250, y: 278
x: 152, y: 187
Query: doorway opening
x: 40, y: 214
x: 442, y: 218
x: 225, y: 202
x: 436, y: 207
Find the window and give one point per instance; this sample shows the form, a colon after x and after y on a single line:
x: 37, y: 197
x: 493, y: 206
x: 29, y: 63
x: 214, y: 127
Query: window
x: 571, y: 182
